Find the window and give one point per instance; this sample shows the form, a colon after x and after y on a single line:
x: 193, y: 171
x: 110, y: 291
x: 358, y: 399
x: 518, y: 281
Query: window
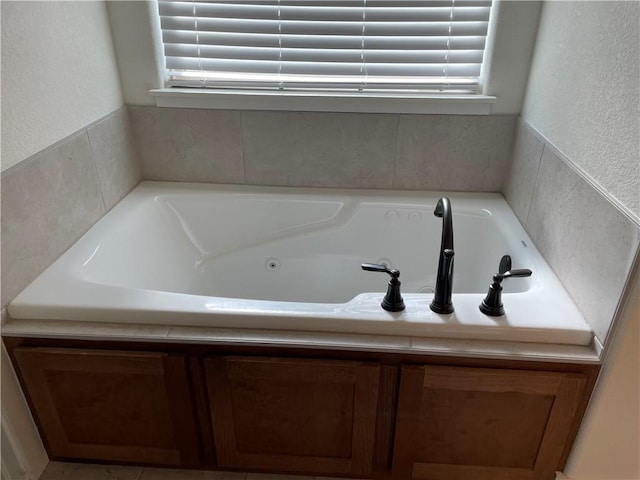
x: 389, y: 46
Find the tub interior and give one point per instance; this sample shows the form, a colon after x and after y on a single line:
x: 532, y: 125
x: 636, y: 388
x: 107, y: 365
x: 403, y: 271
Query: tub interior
x: 295, y: 249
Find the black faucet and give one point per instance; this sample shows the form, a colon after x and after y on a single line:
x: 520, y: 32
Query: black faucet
x: 444, y: 282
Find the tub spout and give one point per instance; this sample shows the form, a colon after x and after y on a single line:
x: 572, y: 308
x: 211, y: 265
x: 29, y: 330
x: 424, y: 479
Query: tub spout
x: 444, y: 282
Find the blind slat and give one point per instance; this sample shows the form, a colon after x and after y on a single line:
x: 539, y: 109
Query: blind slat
x: 327, y: 41
x: 387, y: 44
x: 311, y: 13
x: 343, y: 3
x: 325, y: 27
x: 322, y: 68
x: 324, y: 55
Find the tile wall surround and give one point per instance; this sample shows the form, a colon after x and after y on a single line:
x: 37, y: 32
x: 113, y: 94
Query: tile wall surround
x: 342, y: 150
x: 59, y: 193
x: 590, y: 243
x: 52, y: 198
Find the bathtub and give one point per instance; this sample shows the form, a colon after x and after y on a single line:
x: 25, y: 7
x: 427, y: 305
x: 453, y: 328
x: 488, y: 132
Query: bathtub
x: 289, y: 259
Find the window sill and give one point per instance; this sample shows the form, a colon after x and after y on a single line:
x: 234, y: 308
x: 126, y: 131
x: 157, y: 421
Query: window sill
x: 437, y: 104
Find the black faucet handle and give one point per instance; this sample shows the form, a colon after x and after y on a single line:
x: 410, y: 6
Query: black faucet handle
x: 505, y: 264
x: 519, y: 272
x: 392, y: 301
x: 375, y: 267
x: 492, y: 303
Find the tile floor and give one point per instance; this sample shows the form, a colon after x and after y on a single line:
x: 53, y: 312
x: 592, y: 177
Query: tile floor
x: 80, y: 471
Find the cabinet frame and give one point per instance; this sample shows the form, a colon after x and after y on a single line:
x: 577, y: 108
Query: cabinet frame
x: 389, y: 384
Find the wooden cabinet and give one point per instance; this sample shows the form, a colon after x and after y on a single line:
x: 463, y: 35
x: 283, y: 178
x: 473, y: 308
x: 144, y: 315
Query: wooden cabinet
x: 296, y: 415
x: 292, y: 410
x: 486, y: 424
x: 111, y: 405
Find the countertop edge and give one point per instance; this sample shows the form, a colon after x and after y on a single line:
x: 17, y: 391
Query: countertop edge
x: 76, y: 330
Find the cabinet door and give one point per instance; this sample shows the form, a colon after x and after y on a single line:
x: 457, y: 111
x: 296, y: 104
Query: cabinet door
x: 108, y: 405
x: 485, y: 424
x: 296, y: 415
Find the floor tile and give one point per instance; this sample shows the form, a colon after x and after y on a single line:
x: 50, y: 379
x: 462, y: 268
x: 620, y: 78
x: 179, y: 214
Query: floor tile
x: 82, y: 471
x: 273, y: 476
x: 174, y: 474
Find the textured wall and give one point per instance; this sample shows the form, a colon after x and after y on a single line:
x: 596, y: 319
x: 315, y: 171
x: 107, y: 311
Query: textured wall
x: 583, y: 97
x: 67, y: 154
x: 584, y: 91
x: 58, y: 73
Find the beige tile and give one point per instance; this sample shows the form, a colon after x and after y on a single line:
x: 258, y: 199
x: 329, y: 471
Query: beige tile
x: 341, y: 150
x: 81, y: 471
x: 588, y: 242
x: 525, y: 162
x: 453, y: 152
x: 48, y: 202
x: 174, y: 474
x: 188, y: 145
x: 115, y: 156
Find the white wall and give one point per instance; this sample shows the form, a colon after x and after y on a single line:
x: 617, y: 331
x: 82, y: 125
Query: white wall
x: 584, y: 97
x: 136, y: 32
x: 137, y: 39
x: 59, y: 73
x: 608, y: 446
x: 508, y: 53
x: 584, y: 91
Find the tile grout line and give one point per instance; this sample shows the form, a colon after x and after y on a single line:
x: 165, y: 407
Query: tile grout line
x: 96, y: 171
x: 395, y: 153
x: 244, y: 163
x: 535, y: 185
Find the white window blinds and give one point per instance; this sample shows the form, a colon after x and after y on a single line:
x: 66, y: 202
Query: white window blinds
x: 405, y: 45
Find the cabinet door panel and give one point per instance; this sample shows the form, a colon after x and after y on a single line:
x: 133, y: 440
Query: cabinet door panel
x: 482, y: 423
x: 107, y: 405
x: 315, y: 416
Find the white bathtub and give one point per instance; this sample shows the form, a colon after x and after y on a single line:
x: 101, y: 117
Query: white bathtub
x: 289, y: 259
